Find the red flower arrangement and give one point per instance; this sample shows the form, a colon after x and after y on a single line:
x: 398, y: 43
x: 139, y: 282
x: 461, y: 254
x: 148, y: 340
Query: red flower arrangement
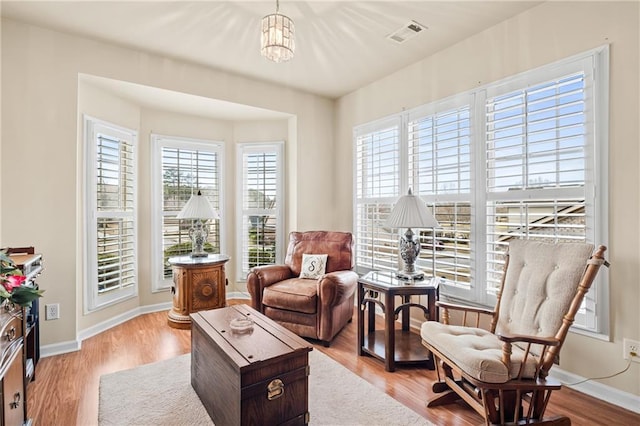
x: 13, y: 287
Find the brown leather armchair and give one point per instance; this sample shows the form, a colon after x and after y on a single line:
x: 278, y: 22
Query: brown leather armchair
x: 316, y: 308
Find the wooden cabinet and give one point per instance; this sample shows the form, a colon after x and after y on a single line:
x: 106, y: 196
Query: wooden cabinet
x: 31, y: 265
x: 13, y: 395
x: 12, y: 373
x: 198, y: 284
x: 19, y: 343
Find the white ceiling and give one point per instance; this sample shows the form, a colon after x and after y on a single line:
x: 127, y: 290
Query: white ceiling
x: 340, y: 45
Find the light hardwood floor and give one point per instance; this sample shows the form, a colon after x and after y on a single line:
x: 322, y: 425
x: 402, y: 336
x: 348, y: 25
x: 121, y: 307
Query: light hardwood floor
x: 65, y: 391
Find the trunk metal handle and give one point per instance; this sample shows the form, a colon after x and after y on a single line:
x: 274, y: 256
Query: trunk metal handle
x: 275, y: 389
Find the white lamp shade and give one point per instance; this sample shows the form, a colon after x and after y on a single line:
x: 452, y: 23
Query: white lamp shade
x: 198, y: 207
x: 410, y: 212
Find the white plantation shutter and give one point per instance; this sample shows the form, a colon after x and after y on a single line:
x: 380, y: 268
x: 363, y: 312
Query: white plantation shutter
x: 440, y: 152
x: 439, y: 146
x: 536, y: 136
x: 180, y: 168
x: 185, y: 166
x: 185, y: 172
x: 260, y: 205
x: 553, y: 220
x: 453, y: 244
x: 377, y: 157
x: 115, y: 201
x: 537, y: 142
x: 540, y: 169
x: 115, y: 169
x: 111, y: 265
x: 116, y: 253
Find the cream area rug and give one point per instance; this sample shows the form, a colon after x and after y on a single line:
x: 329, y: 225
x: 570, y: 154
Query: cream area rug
x: 161, y: 394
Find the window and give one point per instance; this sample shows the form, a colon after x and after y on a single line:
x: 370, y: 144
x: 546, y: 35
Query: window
x: 541, y: 148
x: 439, y: 158
x: 110, y: 214
x: 536, y: 151
x: 181, y: 167
x: 520, y: 158
x: 260, y: 205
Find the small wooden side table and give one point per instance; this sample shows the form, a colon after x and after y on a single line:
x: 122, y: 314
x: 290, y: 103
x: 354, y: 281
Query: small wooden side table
x: 198, y: 284
x: 390, y: 345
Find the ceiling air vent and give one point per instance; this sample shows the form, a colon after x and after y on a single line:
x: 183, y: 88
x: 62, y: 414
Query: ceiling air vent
x: 406, y: 32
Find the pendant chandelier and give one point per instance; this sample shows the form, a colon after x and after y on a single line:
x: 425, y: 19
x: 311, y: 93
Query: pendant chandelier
x: 276, y: 41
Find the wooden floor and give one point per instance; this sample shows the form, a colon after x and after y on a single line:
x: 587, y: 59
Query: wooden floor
x: 65, y: 391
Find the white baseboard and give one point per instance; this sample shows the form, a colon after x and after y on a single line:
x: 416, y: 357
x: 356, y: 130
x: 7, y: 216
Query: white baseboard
x: 238, y: 295
x: 598, y: 390
x: 72, y: 346
x: 119, y: 319
x: 60, y: 348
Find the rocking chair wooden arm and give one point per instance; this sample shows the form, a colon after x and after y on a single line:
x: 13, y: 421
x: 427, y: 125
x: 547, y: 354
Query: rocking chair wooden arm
x: 446, y: 306
x: 547, y: 341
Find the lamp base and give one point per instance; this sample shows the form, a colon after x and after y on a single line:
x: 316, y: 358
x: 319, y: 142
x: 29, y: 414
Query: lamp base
x: 199, y: 254
x: 409, y: 250
x: 198, y: 234
x: 417, y: 275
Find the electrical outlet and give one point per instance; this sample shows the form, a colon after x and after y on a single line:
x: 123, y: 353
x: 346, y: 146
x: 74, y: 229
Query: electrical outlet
x: 631, y: 349
x: 52, y: 311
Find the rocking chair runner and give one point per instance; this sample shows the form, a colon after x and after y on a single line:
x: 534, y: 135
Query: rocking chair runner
x: 502, y: 373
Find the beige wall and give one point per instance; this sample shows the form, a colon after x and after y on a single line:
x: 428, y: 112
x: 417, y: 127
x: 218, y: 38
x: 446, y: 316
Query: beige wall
x: 541, y: 35
x: 40, y: 123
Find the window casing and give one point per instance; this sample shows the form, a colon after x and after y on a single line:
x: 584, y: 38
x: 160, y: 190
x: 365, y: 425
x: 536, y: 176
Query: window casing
x: 524, y: 157
x: 260, y: 205
x: 110, y: 214
x: 181, y: 167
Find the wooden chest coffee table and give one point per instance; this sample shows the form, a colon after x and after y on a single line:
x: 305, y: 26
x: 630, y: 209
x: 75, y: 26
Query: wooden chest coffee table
x: 244, y: 377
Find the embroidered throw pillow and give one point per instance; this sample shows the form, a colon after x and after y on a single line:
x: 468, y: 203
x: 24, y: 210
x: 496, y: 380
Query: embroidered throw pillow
x: 313, y: 265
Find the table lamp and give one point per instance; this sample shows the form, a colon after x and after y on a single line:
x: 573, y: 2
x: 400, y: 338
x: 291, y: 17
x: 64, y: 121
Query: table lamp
x: 198, y: 208
x: 410, y: 212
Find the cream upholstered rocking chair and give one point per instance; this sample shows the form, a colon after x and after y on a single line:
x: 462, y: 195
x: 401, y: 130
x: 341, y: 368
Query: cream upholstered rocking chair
x: 503, y: 373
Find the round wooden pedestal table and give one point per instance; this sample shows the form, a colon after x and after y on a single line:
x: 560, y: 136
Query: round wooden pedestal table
x: 199, y: 283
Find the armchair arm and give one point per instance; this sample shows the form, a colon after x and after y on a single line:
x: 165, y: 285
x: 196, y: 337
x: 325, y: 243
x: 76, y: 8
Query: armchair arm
x: 263, y: 276
x: 446, y: 306
x: 336, y: 287
x: 335, y: 302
